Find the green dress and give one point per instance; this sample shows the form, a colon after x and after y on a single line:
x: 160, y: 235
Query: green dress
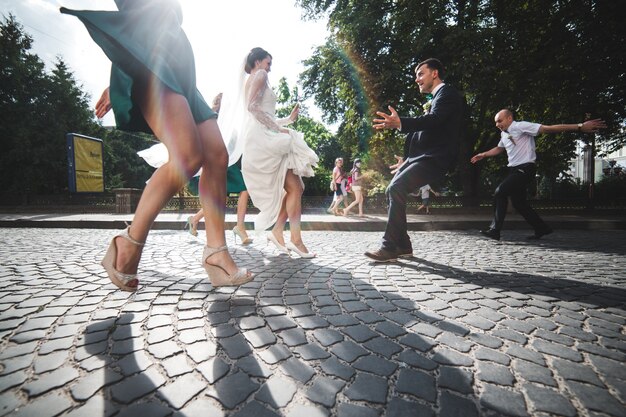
x: 144, y: 35
x: 234, y: 180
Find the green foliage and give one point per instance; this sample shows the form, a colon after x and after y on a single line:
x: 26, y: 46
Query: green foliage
x: 549, y: 61
x: 374, y: 182
x: 567, y: 188
x: 609, y: 188
x: 37, y: 110
x: 123, y: 168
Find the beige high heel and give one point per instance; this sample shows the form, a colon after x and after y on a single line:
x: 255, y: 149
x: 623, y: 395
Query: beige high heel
x: 119, y: 279
x: 244, y: 240
x: 307, y: 255
x: 219, y: 276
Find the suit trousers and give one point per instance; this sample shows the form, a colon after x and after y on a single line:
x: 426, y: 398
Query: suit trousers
x: 408, y: 179
x: 515, y: 186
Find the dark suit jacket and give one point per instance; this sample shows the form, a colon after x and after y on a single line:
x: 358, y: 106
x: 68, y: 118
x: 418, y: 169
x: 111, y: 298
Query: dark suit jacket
x: 435, y: 137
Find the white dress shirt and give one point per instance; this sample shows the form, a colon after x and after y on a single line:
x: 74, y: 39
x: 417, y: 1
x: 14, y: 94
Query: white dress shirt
x: 519, y: 142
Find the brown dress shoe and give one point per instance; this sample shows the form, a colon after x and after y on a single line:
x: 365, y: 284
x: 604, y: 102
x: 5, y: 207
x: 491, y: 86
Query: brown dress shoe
x: 382, y: 255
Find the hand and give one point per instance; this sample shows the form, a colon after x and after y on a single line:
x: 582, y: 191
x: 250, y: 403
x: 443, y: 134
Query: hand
x: 591, y: 126
x: 104, y: 104
x: 283, y: 130
x: 388, y: 121
x: 395, y: 167
x: 477, y: 158
x: 295, y: 112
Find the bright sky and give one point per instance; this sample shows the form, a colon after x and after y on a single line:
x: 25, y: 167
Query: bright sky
x: 221, y: 33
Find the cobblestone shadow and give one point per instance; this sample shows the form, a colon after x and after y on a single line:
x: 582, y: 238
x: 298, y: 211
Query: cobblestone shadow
x: 455, y: 333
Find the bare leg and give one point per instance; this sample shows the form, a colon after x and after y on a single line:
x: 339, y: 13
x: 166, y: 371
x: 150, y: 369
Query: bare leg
x: 190, y: 147
x: 336, y: 209
x: 169, y: 116
x: 281, y: 220
x: 242, y: 207
x: 331, y: 208
x: 212, y: 188
x: 293, y: 204
x: 361, y: 201
x: 358, y: 199
x: 195, y: 220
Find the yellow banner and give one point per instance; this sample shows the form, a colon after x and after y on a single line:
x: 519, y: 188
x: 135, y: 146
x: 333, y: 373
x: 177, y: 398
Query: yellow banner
x: 89, y: 167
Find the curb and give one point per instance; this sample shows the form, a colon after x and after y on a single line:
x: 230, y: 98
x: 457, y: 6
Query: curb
x: 370, y: 225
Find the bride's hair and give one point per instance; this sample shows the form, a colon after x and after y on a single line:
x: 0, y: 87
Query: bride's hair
x: 256, y: 54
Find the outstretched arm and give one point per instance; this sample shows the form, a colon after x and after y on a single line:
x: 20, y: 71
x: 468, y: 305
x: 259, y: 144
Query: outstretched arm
x: 388, y: 121
x: 492, y: 152
x: 590, y: 126
x: 443, y: 108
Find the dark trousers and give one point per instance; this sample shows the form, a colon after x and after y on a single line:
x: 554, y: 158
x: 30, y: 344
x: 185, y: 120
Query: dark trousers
x: 515, y: 186
x: 407, y: 180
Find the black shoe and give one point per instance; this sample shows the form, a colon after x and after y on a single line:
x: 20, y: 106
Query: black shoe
x: 382, y: 255
x: 491, y: 233
x: 540, y: 234
x: 405, y: 253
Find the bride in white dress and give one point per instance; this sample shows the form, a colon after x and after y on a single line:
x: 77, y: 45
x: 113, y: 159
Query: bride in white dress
x: 274, y: 158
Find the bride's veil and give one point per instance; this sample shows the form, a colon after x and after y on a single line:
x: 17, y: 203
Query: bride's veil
x: 232, y: 116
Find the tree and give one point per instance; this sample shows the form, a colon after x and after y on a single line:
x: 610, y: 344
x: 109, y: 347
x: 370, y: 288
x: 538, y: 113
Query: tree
x: 37, y: 110
x: 66, y: 110
x: 123, y: 168
x: 21, y: 74
x: 549, y: 61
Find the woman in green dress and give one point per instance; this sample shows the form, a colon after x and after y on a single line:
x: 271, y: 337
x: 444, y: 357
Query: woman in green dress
x: 153, y: 89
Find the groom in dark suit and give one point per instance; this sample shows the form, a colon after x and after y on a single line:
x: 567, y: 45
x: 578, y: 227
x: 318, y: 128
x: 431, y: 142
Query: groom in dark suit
x: 430, y: 150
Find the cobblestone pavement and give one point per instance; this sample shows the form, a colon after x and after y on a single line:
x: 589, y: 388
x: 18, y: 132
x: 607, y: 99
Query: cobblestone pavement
x: 469, y: 327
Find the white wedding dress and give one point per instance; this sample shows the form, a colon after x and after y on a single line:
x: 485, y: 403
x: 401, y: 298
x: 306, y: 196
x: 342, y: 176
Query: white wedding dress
x: 268, y: 153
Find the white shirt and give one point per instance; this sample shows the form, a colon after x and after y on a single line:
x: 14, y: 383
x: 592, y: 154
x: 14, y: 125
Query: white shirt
x: 425, y: 191
x: 432, y: 93
x: 519, y: 142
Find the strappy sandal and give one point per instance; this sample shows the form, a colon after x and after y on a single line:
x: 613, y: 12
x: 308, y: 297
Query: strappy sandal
x: 219, y: 276
x: 120, y: 279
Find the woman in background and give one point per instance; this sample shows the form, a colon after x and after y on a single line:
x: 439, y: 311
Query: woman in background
x: 357, y: 188
x: 338, y: 182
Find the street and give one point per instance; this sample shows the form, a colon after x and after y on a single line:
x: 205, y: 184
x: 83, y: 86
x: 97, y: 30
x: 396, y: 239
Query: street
x: 467, y: 327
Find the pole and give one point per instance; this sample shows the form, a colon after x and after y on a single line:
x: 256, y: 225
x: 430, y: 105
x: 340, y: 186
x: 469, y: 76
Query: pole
x: 591, y: 168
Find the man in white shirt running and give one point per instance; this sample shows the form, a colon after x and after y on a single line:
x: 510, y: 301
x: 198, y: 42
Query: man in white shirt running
x: 425, y: 194
x: 518, y: 140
